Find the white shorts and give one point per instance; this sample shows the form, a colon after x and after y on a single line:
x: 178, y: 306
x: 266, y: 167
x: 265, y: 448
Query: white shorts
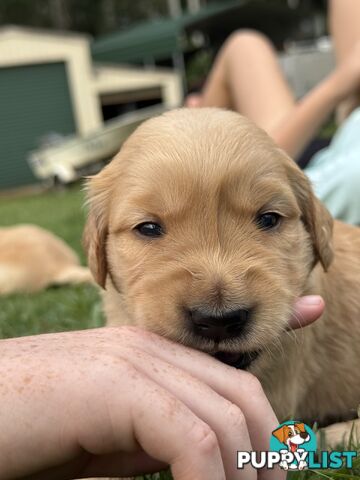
x: 335, y: 172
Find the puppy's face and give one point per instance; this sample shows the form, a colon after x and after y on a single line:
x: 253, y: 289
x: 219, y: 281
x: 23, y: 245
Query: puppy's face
x: 206, y: 231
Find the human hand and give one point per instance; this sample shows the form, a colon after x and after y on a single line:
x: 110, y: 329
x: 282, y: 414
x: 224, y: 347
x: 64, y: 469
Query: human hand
x: 193, y: 100
x: 306, y: 310
x: 123, y: 401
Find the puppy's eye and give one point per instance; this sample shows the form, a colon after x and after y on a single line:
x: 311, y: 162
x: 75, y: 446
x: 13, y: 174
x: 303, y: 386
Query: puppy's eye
x: 290, y: 434
x: 269, y: 220
x: 149, y: 229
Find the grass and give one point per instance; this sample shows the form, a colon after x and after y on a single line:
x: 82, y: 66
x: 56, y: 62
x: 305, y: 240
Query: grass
x: 55, y: 309
x: 78, y: 307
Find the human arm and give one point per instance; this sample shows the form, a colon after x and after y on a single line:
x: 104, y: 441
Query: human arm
x: 124, y: 401
x: 299, y: 126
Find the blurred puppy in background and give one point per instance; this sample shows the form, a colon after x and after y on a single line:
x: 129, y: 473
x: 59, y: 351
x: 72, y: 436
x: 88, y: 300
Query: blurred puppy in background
x: 202, y: 230
x: 32, y: 258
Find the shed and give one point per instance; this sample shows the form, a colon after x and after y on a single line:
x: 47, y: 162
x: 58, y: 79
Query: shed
x: 41, y: 91
x: 49, y: 87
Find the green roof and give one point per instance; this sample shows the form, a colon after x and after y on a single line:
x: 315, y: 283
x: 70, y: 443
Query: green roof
x: 156, y: 39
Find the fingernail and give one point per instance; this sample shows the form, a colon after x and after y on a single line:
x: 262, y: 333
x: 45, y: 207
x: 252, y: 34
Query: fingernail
x: 310, y: 300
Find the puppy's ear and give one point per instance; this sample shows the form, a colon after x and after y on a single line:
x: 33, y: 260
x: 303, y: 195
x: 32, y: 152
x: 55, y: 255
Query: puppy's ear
x: 96, y: 228
x: 280, y: 433
x: 94, y: 242
x: 316, y: 217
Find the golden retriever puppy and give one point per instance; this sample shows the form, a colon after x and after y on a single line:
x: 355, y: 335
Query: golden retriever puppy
x: 32, y: 258
x: 202, y: 230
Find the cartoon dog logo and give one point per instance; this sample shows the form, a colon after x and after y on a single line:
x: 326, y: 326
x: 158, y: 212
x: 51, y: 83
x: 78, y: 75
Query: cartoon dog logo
x: 293, y: 435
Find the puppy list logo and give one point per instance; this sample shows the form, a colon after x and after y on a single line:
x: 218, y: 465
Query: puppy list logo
x: 293, y: 447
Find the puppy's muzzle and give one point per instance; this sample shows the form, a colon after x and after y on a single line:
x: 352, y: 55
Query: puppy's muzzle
x: 227, y: 325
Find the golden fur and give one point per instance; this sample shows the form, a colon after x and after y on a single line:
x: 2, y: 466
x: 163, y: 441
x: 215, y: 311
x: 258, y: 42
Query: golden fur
x: 32, y: 258
x: 205, y: 175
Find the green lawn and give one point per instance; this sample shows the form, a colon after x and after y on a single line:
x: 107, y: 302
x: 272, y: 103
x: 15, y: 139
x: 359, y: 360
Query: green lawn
x: 56, y: 309
x: 78, y: 307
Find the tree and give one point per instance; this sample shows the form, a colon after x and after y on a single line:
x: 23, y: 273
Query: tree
x: 90, y: 16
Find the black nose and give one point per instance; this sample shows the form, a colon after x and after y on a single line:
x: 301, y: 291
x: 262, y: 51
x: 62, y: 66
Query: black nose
x: 221, y: 327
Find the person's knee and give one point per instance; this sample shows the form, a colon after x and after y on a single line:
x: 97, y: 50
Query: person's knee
x: 247, y: 40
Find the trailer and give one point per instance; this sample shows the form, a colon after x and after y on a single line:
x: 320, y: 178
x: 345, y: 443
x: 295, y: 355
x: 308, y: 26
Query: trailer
x: 67, y: 159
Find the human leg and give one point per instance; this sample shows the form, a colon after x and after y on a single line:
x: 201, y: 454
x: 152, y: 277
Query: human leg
x: 247, y: 77
x: 344, y: 25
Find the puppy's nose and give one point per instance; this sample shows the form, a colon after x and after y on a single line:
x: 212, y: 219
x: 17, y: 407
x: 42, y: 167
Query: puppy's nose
x: 221, y: 327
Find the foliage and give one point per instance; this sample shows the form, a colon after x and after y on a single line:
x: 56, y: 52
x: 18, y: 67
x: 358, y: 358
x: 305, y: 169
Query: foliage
x: 91, y: 16
x: 198, y: 67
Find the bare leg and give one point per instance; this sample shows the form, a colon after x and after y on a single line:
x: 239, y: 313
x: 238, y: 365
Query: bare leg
x: 247, y: 77
x: 344, y: 25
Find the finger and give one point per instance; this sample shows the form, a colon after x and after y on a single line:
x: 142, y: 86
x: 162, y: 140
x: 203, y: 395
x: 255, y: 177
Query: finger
x: 145, y: 416
x: 307, y: 309
x: 193, y: 100
x: 224, y: 417
x: 238, y: 386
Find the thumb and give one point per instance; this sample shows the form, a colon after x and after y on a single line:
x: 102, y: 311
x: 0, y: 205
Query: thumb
x: 307, y: 309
